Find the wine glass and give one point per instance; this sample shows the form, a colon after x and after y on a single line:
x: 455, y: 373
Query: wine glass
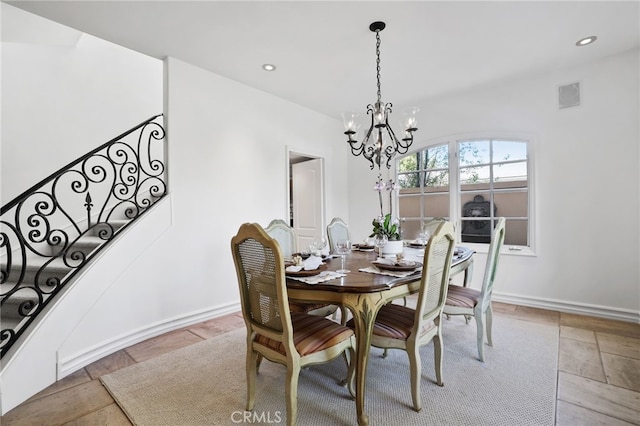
x: 321, y: 245
x: 423, y: 237
x: 380, y: 241
x: 343, y: 247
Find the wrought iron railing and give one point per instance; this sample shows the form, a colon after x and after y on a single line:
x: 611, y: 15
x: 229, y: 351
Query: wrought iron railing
x: 49, y: 232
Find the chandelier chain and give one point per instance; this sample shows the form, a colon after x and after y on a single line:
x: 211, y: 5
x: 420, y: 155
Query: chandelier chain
x: 378, y: 62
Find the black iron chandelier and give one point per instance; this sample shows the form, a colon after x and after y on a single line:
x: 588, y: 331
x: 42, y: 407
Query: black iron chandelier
x: 380, y: 140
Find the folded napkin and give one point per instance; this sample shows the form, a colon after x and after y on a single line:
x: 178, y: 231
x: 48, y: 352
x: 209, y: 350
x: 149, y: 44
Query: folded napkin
x: 309, y: 264
x: 321, y: 277
x: 398, y: 274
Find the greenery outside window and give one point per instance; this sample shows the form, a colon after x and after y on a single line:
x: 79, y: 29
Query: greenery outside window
x: 489, y: 178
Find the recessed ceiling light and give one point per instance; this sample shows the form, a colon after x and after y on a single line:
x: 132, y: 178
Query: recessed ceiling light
x: 586, y: 40
x: 268, y: 67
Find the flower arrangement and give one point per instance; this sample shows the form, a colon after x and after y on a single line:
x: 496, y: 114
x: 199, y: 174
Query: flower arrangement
x: 386, y: 224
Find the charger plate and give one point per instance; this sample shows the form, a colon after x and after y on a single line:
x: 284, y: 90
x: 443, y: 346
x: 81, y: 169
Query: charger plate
x: 364, y: 247
x: 398, y: 267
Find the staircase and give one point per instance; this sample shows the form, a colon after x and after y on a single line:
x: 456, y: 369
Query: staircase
x: 54, y: 229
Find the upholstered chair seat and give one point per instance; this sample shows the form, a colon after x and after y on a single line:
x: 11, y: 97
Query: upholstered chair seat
x: 397, y: 322
x: 463, y: 297
x: 310, y: 334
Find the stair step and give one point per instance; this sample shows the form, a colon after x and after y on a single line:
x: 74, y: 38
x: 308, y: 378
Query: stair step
x: 86, y: 244
x: 116, y: 224
x: 9, y: 323
x: 10, y: 308
x: 88, y: 241
x: 55, y: 269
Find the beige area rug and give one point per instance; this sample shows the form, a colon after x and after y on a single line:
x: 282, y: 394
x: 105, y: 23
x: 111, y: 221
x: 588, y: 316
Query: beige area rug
x: 204, y: 384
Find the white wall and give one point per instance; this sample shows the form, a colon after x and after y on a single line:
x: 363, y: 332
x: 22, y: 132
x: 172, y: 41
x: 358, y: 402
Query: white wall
x: 587, y: 234
x: 61, y: 101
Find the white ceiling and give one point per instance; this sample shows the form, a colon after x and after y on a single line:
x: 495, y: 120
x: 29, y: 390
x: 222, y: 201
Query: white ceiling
x: 325, y: 53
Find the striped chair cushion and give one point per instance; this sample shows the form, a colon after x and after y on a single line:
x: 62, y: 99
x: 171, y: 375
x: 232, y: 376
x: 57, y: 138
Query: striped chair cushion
x: 463, y: 297
x: 310, y: 334
x: 396, y: 322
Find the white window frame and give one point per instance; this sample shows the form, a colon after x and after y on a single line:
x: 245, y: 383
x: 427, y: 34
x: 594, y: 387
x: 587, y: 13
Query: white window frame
x: 455, y: 209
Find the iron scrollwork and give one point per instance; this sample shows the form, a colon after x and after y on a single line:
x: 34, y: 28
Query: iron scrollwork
x: 53, y: 229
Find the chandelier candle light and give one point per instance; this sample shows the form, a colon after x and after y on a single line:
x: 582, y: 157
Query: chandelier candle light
x: 384, y: 141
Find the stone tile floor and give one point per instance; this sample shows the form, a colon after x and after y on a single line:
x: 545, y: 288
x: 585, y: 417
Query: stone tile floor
x: 598, y: 372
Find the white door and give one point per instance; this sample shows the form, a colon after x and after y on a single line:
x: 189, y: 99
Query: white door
x: 306, y: 194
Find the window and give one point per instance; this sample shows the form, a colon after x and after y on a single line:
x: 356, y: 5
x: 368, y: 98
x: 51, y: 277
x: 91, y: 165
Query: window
x: 489, y: 178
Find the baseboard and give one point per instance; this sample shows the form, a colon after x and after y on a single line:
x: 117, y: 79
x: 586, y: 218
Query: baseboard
x: 599, y: 311
x: 75, y: 362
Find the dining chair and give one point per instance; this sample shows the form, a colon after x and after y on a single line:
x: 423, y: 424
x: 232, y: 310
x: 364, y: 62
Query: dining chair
x: 292, y: 339
x: 432, y: 225
x: 337, y: 230
x: 286, y: 237
x: 401, y: 327
x: 475, y: 303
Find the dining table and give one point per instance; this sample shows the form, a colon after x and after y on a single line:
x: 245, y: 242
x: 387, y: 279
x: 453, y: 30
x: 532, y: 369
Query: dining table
x: 364, y: 290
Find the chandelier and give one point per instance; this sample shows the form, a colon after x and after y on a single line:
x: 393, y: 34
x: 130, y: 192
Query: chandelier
x: 380, y: 140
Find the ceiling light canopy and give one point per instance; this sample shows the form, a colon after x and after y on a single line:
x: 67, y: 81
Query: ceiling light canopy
x: 380, y: 140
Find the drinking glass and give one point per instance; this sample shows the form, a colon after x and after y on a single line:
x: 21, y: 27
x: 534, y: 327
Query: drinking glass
x: 380, y: 241
x: 343, y: 247
x: 321, y: 245
x: 423, y: 238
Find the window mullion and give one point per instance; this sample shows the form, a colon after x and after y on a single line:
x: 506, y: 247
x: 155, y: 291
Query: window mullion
x: 454, y: 188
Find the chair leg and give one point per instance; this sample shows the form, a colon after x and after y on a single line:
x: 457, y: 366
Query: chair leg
x: 438, y: 350
x: 349, y: 359
x: 385, y: 353
x: 344, y: 314
x: 489, y: 321
x: 480, y: 337
x: 258, y: 362
x: 351, y: 374
x: 291, y: 393
x: 415, y: 370
x: 252, y: 371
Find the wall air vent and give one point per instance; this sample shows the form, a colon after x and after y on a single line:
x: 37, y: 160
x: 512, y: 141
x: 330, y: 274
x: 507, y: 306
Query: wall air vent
x: 569, y: 95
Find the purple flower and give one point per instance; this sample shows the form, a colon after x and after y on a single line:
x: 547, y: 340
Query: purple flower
x: 390, y: 186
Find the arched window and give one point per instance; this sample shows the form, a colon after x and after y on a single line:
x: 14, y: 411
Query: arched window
x: 471, y: 182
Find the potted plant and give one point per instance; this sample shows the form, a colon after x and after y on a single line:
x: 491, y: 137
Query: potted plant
x: 386, y: 225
